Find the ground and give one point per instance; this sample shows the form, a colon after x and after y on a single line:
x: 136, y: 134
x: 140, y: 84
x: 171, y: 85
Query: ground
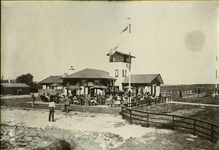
x: 27, y: 127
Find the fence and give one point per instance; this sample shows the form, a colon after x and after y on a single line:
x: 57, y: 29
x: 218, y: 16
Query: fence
x: 196, y: 126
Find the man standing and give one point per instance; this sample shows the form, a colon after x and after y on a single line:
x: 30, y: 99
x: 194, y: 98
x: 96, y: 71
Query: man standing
x: 67, y: 103
x: 33, y: 99
x: 51, y: 110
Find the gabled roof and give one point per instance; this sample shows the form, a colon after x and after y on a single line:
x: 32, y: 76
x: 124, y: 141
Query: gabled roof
x: 90, y: 74
x: 143, y: 78
x: 120, y: 53
x: 52, y: 79
x: 14, y: 85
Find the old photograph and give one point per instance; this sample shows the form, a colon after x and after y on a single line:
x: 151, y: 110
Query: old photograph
x: 109, y: 75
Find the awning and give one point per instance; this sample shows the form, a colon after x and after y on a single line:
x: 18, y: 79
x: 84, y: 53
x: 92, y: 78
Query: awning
x: 99, y: 87
x: 55, y: 85
x: 127, y: 87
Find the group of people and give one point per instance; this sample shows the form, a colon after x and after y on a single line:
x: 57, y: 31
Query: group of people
x: 87, y: 100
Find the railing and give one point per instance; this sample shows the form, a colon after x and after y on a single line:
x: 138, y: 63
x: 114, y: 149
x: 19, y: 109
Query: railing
x: 185, y: 95
x: 196, y: 126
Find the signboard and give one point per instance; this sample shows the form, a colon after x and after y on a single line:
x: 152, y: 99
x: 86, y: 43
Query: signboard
x: 90, y: 84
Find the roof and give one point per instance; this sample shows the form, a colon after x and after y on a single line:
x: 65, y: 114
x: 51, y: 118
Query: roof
x: 90, y: 74
x: 14, y: 85
x: 52, y: 79
x: 143, y: 78
x: 120, y: 53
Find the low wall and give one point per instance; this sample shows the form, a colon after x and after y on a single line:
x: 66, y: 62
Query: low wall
x: 50, y: 91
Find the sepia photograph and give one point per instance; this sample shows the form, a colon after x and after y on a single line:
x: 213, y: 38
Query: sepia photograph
x: 109, y: 75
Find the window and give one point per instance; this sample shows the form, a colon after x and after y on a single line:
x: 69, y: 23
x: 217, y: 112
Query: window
x: 116, y: 73
x: 124, y: 73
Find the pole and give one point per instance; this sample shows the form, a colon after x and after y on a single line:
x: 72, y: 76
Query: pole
x: 216, y: 80
x: 129, y: 68
x: 130, y: 78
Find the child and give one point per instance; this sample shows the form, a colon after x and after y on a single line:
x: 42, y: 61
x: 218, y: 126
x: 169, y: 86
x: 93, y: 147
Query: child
x: 51, y: 110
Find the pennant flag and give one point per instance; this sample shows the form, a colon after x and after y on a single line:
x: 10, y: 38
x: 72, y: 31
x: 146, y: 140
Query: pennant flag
x: 124, y: 30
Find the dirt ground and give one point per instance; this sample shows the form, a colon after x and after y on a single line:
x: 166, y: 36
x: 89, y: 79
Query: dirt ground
x: 104, y: 127
x: 108, y: 131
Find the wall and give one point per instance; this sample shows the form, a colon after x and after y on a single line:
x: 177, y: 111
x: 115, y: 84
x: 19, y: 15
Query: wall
x: 50, y: 91
x: 14, y: 90
x: 120, y: 66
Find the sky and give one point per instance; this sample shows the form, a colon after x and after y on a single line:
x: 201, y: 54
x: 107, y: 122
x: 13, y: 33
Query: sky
x: 178, y: 40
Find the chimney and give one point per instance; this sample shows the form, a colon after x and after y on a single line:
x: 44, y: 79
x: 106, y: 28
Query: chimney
x: 65, y: 74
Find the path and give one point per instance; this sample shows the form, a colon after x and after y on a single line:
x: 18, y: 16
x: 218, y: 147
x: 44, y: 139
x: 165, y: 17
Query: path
x: 199, y: 104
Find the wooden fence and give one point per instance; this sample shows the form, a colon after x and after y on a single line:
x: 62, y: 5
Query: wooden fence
x: 196, y: 126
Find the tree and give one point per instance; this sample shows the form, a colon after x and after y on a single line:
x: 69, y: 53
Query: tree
x: 28, y: 79
x: 35, y: 86
x: 25, y: 78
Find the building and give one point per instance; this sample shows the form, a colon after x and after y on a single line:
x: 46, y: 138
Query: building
x: 87, y: 79
x: 119, y: 67
x: 49, y: 83
x: 14, y: 89
x: 142, y: 83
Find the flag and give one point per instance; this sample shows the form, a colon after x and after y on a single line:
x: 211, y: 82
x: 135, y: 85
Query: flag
x: 125, y: 29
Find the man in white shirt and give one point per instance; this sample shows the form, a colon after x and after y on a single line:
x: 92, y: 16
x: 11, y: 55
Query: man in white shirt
x: 51, y: 110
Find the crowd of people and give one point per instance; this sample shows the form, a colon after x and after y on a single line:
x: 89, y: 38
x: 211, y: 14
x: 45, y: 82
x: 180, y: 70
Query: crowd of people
x: 88, y: 100
x: 98, y: 99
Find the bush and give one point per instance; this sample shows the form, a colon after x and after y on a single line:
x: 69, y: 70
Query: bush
x: 61, y: 144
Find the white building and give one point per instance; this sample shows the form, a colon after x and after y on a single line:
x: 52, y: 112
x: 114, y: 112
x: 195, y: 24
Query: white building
x: 142, y: 83
x: 119, y: 68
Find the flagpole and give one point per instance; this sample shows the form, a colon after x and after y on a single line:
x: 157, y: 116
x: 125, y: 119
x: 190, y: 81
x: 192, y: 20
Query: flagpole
x: 216, y: 74
x: 129, y: 68
x: 216, y: 80
x: 129, y: 79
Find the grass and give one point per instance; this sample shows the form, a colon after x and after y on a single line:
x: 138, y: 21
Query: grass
x: 166, y: 141
x: 202, y: 100
x: 23, y: 103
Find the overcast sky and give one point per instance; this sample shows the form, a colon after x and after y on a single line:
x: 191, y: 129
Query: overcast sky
x: 179, y: 40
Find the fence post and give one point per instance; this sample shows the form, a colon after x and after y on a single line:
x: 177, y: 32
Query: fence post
x: 212, y: 132
x: 130, y: 116
x: 173, y: 122
x: 147, y: 120
x: 194, y: 126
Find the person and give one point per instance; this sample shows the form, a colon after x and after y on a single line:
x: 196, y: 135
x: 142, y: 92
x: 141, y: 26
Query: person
x: 33, y: 99
x: 180, y: 94
x: 51, y: 110
x: 99, y: 99
x: 67, y: 103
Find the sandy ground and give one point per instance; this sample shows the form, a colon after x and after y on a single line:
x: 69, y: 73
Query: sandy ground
x: 74, y: 121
